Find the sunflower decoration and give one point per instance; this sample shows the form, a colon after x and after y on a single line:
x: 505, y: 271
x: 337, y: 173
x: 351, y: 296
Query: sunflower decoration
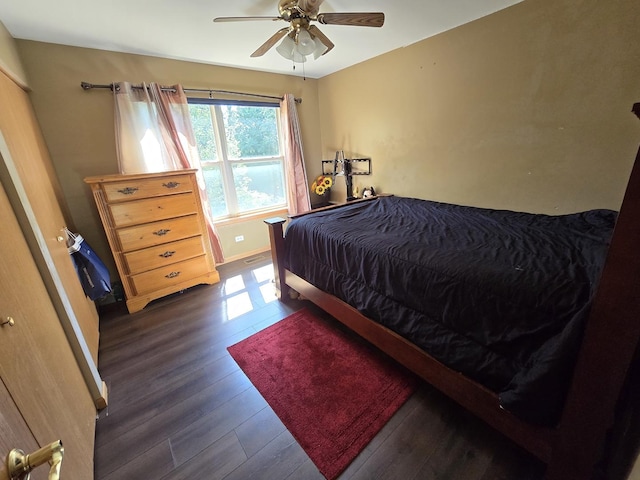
x: 322, y: 185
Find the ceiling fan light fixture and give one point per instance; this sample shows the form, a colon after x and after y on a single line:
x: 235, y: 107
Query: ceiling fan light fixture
x: 298, y: 57
x: 286, y: 47
x: 305, y: 44
x: 320, y: 48
x: 290, y: 48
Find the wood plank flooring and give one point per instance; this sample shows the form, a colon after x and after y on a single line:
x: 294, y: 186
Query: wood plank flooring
x: 180, y: 407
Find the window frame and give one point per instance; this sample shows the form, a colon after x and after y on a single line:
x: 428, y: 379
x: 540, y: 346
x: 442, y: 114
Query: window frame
x: 226, y: 164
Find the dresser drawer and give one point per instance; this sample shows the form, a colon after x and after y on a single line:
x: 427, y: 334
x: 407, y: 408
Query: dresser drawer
x: 151, y: 209
x: 169, y: 275
x: 146, y: 187
x: 154, y: 257
x: 156, y: 233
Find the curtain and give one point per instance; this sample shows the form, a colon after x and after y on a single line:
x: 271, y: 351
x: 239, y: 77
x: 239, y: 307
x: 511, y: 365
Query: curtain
x: 154, y: 134
x: 298, y: 191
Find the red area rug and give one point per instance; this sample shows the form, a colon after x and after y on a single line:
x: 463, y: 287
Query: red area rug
x: 332, y: 391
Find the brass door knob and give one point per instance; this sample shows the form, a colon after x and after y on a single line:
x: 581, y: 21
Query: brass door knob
x: 20, y: 465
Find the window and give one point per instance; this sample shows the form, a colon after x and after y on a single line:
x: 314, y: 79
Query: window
x: 241, y: 155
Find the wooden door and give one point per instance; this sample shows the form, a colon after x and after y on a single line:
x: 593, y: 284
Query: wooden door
x: 13, y: 431
x: 30, y: 181
x: 22, y: 134
x: 38, y: 370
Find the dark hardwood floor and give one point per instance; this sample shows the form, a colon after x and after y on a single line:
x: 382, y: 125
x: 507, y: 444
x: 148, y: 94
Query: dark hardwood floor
x: 180, y: 407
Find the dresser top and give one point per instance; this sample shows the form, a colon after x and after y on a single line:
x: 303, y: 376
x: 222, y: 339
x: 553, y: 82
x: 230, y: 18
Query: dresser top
x: 118, y: 177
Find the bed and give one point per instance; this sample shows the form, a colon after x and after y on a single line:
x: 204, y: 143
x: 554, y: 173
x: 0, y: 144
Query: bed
x: 528, y: 321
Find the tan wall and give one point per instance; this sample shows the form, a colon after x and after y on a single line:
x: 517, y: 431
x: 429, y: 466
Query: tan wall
x: 526, y: 109
x: 78, y: 124
x: 250, y: 244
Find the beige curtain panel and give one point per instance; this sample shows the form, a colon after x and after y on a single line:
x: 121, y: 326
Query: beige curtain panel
x: 298, y: 189
x: 154, y: 134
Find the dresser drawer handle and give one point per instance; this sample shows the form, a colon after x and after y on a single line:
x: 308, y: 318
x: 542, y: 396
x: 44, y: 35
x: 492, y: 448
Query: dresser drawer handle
x: 172, y: 275
x: 171, y: 184
x: 128, y: 190
x: 161, y: 232
x: 167, y: 254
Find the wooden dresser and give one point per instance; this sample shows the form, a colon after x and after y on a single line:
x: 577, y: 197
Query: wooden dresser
x: 156, y: 231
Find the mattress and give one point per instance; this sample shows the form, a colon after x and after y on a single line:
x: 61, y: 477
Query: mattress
x: 500, y: 296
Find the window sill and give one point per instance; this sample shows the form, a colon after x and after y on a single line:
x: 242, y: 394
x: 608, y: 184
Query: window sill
x: 252, y: 216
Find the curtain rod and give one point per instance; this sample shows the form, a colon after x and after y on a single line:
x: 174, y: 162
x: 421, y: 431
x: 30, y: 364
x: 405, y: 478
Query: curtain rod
x: 89, y: 86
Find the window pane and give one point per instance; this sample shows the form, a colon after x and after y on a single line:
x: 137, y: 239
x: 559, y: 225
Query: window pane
x: 203, y: 131
x: 251, y: 131
x: 244, y: 169
x: 259, y: 185
x: 215, y: 189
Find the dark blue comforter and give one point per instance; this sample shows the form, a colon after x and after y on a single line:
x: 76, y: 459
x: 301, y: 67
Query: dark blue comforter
x: 500, y: 296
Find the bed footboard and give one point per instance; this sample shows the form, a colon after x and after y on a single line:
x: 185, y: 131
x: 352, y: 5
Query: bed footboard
x: 276, y: 238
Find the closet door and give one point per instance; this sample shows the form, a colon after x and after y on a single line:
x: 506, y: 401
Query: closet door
x: 32, y: 187
x: 43, y: 396
x: 14, y: 430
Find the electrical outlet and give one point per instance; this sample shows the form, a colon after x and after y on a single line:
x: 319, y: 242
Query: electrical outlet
x: 240, y: 238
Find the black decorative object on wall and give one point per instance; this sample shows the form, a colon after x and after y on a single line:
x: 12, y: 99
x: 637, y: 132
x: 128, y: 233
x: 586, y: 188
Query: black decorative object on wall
x: 347, y: 167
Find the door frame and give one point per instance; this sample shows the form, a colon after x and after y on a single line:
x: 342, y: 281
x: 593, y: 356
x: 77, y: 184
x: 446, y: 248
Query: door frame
x: 40, y: 252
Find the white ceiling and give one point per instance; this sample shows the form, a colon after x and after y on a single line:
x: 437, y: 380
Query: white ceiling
x: 185, y: 30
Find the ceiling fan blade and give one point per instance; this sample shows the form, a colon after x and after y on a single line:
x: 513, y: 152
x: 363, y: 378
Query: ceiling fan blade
x: 244, y: 19
x: 370, y: 19
x: 315, y: 31
x: 309, y: 6
x: 264, y: 48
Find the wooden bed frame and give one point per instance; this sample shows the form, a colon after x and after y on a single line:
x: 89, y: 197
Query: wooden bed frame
x: 572, y: 449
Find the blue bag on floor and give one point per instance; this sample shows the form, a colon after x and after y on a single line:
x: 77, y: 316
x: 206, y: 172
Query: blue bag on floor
x: 93, y: 274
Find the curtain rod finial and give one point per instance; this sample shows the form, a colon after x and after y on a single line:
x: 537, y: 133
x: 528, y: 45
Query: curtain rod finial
x: 86, y: 85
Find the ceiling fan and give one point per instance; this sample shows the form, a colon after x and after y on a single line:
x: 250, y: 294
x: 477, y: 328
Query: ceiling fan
x: 301, y: 38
